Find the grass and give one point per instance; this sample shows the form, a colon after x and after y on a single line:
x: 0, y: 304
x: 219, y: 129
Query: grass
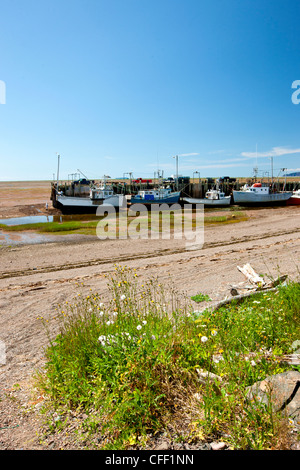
x: 72, y: 226
x: 200, y: 298
x: 89, y: 227
x: 132, y: 364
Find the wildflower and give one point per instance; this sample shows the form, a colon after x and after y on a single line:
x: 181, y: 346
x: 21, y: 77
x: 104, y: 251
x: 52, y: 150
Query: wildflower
x: 144, y: 322
x: 256, y: 301
x: 213, y: 332
x: 153, y: 337
x: 101, y: 304
x: 123, y: 297
x: 101, y: 313
x: 253, y: 363
x: 204, y: 339
x: 139, y: 327
x: 102, y: 340
x: 109, y: 322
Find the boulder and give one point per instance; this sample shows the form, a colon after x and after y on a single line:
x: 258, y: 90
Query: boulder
x: 281, y: 391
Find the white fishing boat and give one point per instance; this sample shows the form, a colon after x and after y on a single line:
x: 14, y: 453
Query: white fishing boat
x: 260, y: 194
x: 99, y: 195
x: 213, y: 198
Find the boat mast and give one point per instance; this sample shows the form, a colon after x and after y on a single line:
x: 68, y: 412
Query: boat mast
x: 58, y: 158
x: 177, y: 186
x: 255, y: 169
x: 272, y: 170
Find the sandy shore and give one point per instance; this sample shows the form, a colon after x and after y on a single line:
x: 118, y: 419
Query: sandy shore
x: 34, y: 279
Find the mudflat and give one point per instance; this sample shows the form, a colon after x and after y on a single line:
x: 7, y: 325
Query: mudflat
x: 36, y: 278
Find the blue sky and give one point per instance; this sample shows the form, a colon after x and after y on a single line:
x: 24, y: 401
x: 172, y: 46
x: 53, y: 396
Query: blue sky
x: 117, y: 86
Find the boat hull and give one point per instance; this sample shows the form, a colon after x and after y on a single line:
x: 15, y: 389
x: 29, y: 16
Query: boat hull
x: 293, y: 201
x: 252, y: 198
x: 209, y: 202
x: 75, y: 205
x: 172, y: 199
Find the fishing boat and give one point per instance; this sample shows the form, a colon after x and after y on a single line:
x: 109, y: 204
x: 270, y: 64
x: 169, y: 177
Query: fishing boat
x: 86, y: 205
x: 294, y: 200
x: 103, y: 195
x: 213, y: 198
x: 260, y: 194
x: 156, y: 196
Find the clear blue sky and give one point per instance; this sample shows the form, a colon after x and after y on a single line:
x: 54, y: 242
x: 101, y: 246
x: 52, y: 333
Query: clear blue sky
x: 118, y: 86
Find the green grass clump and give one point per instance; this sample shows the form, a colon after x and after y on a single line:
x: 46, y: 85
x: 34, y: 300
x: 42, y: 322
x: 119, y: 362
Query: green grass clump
x: 200, y: 298
x: 132, y: 364
x: 68, y: 227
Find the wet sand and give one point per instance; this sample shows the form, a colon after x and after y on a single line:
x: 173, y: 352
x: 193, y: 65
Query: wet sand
x: 34, y: 279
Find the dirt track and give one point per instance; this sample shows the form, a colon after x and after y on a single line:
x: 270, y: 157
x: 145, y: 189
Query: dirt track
x: 34, y: 279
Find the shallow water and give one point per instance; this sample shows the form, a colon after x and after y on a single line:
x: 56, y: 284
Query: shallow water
x: 25, y: 238
x: 22, y: 238
x: 27, y: 220
x: 36, y: 219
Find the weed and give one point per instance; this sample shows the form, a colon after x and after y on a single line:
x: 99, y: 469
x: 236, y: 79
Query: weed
x: 200, y: 298
x: 132, y: 363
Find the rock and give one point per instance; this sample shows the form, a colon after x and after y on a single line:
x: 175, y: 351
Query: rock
x: 234, y: 291
x: 218, y: 445
x: 204, y: 446
x: 282, y: 391
x: 208, y: 377
x: 162, y: 446
x: 205, y: 376
x: 296, y: 346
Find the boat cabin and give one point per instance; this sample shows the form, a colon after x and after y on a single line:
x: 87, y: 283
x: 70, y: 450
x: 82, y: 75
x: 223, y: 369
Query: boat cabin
x: 101, y: 193
x: 256, y: 188
x: 214, y: 194
x: 151, y: 194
